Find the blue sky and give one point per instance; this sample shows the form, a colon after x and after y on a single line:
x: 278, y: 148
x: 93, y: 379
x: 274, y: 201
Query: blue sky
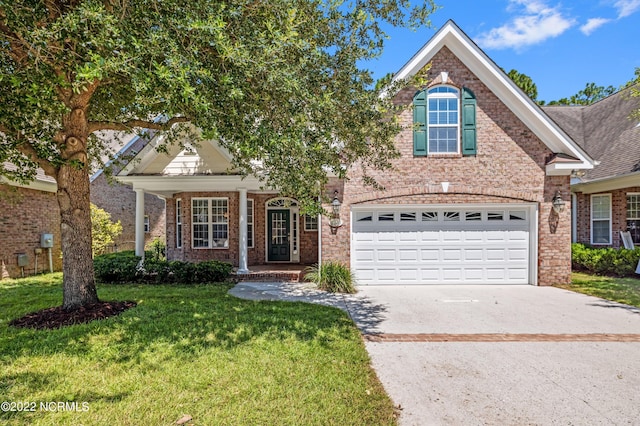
x: 560, y: 44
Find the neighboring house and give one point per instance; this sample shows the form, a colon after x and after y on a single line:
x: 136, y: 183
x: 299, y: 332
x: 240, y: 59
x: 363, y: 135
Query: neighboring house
x: 120, y: 200
x: 606, y: 198
x: 27, y: 212
x: 469, y: 201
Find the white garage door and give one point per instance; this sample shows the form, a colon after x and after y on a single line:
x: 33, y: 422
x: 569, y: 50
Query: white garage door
x: 444, y: 245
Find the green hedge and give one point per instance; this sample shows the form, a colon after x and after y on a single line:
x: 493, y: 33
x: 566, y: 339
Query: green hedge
x: 125, y: 267
x: 604, y: 261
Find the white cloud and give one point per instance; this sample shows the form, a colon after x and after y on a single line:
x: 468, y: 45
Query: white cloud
x: 626, y: 7
x: 535, y: 22
x: 593, y: 24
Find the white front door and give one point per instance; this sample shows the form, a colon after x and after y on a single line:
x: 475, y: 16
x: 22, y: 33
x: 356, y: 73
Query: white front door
x: 456, y: 244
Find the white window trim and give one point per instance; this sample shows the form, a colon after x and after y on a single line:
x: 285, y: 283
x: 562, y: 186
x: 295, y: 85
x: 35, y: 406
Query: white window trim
x: 306, y: 224
x: 592, y: 220
x: 210, y: 224
x: 250, y: 223
x: 428, y: 125
x: 147, y: 224
x: 637, y: 194
x: 179, y: 219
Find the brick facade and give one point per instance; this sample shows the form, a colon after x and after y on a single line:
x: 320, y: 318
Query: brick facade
x: 25, y: 214
x: 120, y: 201
x: 256, y: 253
x: 618, y: 215
x: 509, y: 167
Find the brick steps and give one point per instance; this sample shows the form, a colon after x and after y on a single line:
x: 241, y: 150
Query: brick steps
x: 293, y: 277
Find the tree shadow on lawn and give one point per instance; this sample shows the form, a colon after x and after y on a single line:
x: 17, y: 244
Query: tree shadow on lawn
x: 179, y: 321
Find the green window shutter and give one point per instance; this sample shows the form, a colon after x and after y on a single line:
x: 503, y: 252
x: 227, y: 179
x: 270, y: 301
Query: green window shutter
x: 468, y: 122
x: 420, y: 123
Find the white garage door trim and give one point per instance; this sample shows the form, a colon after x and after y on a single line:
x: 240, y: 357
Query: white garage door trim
x: 405, y: 221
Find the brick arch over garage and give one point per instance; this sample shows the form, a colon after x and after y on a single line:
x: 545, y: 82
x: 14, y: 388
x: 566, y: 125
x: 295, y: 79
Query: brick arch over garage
x: 456, y: 193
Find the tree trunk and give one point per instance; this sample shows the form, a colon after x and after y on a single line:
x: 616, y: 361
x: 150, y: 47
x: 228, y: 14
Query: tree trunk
x: 79, y: 287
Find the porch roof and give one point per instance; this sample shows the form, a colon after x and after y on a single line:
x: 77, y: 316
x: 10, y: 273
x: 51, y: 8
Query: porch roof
x: 166, y: 186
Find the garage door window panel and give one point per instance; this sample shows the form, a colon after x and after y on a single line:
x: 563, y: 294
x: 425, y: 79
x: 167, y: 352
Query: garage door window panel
x: 429, y: 216
x: 451, y: 216
x: 386, y: 217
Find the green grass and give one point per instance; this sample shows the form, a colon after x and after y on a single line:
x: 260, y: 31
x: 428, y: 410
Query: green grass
x: 187, y: 350
x: 623, y: 290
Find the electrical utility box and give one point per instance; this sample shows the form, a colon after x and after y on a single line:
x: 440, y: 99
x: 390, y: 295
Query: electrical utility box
x: 46, y: 240
x: 23, y: 260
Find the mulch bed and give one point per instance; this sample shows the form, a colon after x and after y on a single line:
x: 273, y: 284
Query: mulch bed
x: 57, y: 317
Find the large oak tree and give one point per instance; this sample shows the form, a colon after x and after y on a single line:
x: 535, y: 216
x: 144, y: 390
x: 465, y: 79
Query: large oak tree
x: 275, y: 81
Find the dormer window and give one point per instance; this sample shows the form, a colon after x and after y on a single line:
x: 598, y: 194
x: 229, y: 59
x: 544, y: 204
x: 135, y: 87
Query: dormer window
x: 444, y: 121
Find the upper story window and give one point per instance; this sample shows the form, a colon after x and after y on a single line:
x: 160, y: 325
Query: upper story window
x: 444, y: 120
x: 442, y: 113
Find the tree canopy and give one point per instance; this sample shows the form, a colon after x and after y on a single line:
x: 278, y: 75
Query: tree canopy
x: 275, y: 81
x: 524, y: 82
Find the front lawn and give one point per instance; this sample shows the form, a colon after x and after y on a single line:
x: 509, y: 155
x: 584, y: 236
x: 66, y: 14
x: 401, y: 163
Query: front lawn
x: 623, y: 290
x: 191, y: 350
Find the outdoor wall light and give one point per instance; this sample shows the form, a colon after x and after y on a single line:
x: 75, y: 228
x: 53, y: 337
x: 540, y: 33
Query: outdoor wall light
x: 558, y: 203
x: 334, y: 221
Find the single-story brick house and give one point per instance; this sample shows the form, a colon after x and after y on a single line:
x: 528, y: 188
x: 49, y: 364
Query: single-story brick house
x: 469, y: 201
x: 606, y: 199
x: 27, y: 212
x: 119, y: 200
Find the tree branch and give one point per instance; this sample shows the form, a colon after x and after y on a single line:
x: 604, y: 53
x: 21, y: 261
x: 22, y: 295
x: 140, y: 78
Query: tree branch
x: 128, y: 125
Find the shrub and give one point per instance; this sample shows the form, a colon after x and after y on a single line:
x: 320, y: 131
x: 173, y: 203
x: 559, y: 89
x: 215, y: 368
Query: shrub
x: 332, y: 276
x: 116, y: 267
x: 157, y: 250
x: 604, y: 261
x: 124, y: 267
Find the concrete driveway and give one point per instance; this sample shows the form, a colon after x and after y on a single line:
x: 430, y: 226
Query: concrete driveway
x: 493, y: 355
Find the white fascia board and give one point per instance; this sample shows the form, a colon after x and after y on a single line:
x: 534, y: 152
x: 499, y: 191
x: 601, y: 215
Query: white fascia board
x: 37, y: 184
x: 607, y: 184
x: 563, y: 169
x: 117, y: 155
x: 451, y: 36
x: 144, y: 157
x: 172, y: 184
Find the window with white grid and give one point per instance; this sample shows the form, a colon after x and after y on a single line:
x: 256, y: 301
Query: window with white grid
x: 250, y: 223
x: 633, y: 216
x: 210, y: 222
x: 178, y: 223
x: 601, y: 219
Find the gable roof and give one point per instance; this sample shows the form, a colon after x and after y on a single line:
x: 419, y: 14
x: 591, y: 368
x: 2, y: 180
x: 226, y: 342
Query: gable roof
x: 550, y: 133
x: 608, y: 132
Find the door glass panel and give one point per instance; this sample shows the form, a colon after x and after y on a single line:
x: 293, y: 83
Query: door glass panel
x: 279, y: 227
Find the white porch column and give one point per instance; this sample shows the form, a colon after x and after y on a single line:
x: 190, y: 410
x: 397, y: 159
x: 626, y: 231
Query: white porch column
x: 244, y: 246
x: 139, y: 222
